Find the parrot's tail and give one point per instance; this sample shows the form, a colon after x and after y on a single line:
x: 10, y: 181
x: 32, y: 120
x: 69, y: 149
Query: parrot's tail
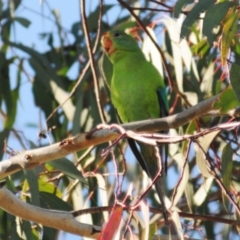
x: 160, y: 186
x: 155, y: 169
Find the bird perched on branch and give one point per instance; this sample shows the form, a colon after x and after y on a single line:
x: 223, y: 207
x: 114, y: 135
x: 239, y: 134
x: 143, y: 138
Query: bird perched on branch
x: 138, y: 93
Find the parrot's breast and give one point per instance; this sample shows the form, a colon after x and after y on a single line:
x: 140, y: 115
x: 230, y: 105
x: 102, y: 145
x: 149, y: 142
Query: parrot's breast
x: 134, y: 90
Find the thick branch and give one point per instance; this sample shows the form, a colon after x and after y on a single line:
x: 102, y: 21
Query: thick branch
x: 32, y: 158
x: 55, y: 219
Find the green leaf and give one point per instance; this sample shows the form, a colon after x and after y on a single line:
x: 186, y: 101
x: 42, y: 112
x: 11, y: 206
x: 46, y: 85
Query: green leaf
x: 45, y: 186
x: 23, y: 21
x: 68, y: 168
x: 202, y: 191
x: 152, y: 229
x: 33, y: 186
x: 178, y: 224
x: 3, y: 139
x: 39, y: 90
x: 189, y: 193
x: 94, y: 16
x: 41, y: 65
x: 178, y: 7
x: 51, y: 201
x: 36, y: 55
x: 234, y: 79
x: 188, y: 187
x: 205, y: 142
x: 226, y: 101
x: 26, y: 230
x: 193, y: 15
x: 49, y: 233
x: 213, y: 18
x: 227, y: 167
x: 201, y: 47
x: 6, y: 94
x: 229, y: 31
x: 235, y: 174
x: 1, y: 8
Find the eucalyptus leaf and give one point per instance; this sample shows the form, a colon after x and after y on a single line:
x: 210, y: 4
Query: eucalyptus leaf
x: 68, y: 168
x: 200, y: 7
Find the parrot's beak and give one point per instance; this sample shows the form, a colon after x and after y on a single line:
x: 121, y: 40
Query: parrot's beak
x: 107, y: 44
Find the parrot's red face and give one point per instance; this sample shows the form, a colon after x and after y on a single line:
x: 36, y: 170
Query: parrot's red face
x: 107, y: 43
x: 117, y: 45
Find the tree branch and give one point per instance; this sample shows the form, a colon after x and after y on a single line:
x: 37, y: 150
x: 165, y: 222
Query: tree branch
x: 32, y: 158
x: 56, y: 219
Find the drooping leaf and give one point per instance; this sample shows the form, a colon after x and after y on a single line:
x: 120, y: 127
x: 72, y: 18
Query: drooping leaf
x: 94, y: 16
x: 227, y: 167
x: 145, y: 216
x: 202, y: 192
x: 201, y: 47
x: 173, y: 31
x: 178, y: 224
x: 3, y: 140
x: 51, y: 201
x: 213, y: 18
x: 23, y: 21
x: 201, y: 161
x: 102, y: 193
x: 178, y: 7
x: 26, y: 230
x: 7, y: 96
x: 189, y: 193
x: 112, y: 225
x: 68, y: 168
x: 226, y: 101
x: 229, y: 30
x: 181, y: 185
x: 200, y: 7
x: 235, y: 80
x: 33, y: 186
x: 151, y: 52
x: 152, y: 229
x: 47, y: 186
x: 49, y: 233
x: 207, y: 79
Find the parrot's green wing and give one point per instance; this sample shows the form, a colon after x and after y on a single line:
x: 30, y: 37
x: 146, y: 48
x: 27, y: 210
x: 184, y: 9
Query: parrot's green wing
x: 162, y: 99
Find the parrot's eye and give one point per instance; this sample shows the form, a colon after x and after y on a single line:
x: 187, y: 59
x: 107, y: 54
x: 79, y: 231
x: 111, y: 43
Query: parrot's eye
x: 116, y: 34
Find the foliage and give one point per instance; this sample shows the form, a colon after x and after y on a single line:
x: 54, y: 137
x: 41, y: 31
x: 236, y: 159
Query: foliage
x: 199, y: 53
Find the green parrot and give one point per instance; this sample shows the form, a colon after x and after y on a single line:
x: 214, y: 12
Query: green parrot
x: 138, y: 93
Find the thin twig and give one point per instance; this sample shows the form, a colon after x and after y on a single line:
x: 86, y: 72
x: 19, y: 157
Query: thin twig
x: 84, y: 155
x: 92, y: 61
x: 161, y: 4
x: 81, y: 76
x: 213, y: 218
x: 151, y: 9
